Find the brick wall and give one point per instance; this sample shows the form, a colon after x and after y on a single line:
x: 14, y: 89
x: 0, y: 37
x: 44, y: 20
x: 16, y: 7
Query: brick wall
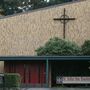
x: 23, y: 33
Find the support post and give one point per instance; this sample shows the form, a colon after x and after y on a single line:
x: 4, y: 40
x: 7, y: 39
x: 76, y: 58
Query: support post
x: 47, y: 73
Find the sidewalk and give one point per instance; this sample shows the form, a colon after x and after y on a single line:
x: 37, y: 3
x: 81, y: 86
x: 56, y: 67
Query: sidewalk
x: 56, y: 89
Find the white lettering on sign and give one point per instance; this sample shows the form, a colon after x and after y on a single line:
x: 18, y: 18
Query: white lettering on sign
x: 72, y: 80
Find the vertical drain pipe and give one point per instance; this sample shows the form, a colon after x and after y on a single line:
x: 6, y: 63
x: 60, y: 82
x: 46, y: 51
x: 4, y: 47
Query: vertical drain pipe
x: 47, y: 73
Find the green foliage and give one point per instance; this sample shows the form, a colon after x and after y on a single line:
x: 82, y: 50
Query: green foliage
x: 86, y: 48
x: 17, y: 6
x: 11, y: 6
x: 1, y: 85
x: 56, y: 1
x: 12, y: 80
x: 56, y: 46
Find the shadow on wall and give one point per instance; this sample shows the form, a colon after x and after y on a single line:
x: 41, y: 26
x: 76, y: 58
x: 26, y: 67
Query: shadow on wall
x: 1, y: 66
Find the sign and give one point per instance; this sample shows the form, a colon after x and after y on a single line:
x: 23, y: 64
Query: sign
x: 72, y: 80
x: 1, y: 78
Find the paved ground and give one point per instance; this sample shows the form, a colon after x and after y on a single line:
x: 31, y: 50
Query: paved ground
x: 48, y: 89
x: 56, y: 89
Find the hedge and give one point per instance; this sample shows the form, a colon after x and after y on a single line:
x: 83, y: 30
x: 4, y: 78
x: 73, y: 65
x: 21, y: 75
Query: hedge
x: 86, y: 47
x: 59, y: 47
x: 11, y: 80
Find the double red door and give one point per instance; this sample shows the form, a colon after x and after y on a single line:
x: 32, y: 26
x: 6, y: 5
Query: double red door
x: 34, y: 73
x: 31, y: 72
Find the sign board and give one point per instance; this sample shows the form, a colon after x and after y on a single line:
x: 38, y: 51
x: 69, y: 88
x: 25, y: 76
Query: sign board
x: 72, y: 80
x: 1, y: 78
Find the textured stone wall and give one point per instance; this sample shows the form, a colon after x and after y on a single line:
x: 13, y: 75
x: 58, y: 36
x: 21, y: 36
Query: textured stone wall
x: 22, y: 34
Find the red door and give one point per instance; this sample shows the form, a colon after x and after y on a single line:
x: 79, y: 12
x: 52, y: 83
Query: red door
x: 20, y: 70
x: 26, y: 74
x: 34, y: 74
x: 42, y: 74
x: 31, y: 73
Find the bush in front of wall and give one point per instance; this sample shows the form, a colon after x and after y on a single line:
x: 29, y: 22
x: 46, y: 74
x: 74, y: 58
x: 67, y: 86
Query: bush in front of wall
x: 86, y: 47
x: 58, y: 47
x: 11, y: 80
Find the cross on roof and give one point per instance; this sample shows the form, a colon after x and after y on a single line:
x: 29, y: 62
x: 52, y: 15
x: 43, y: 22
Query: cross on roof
x: 64, y: 19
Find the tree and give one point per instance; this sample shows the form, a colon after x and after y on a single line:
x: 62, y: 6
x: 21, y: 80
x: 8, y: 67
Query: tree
x: 16, y: 6
x: 86, y: 47
x: 56, y: 46
x: 1, y: 7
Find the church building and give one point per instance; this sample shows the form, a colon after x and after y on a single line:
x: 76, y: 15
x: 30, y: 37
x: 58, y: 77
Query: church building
x: 21, y: 34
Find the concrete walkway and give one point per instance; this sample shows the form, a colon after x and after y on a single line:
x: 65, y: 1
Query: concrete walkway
x: 56, y: 89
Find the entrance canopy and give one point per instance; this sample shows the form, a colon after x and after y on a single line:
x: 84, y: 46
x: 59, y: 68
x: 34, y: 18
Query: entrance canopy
x: 28, y: 58
x: 38, y: 69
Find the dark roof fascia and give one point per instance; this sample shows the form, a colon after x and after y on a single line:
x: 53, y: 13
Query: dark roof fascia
x: 29, y: 58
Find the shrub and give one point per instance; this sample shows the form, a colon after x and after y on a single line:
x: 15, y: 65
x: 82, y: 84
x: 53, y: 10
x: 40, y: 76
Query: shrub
x: 1, y: 85
x: 56, y: 46
x: 12, y: 80
x: 86, y: 47
x: 1, y: 80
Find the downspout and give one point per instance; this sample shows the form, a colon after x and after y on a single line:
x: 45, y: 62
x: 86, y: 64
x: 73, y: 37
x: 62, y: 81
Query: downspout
x: 47, y: 73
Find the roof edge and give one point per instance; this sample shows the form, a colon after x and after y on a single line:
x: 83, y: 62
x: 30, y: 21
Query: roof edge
x: 21, y: 58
